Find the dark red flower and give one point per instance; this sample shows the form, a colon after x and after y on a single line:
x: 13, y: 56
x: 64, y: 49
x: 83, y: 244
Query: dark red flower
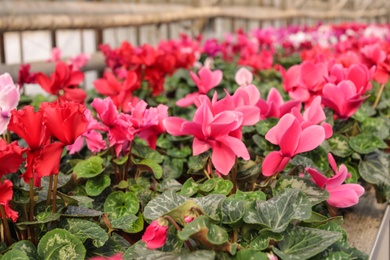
x: 25, y: 76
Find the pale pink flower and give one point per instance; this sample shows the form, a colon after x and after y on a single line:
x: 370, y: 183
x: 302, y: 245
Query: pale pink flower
x: 79, y: 61
x: 340, y: 195
x: 9, y: 99
x: 156, y: 233
x: 243, y: 77
x: 118, y: 256
x: 292, y: 139
x: 55, y: 55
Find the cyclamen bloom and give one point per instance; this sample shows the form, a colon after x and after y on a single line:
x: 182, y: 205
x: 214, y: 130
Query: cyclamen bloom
x: 6, y: 193
x: 9, y: 99
x: 156, y: 233
x: 63, y: 83
x: 118, y: 256
x: 340, y: 195
x: 292, y: 139
x: 119, y: 92
x: 275, y: 105
x: 212, y: 130
x: 343, y: 98
x: 243, y: 77
x: 10, y: 157
x: 207, y: 80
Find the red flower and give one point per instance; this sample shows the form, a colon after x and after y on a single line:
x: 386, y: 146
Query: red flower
x: 10, y: 157
x: 156, y: 234
x: 66, y: 121
x: 24, y: 75
x: 63, y: 83
x: 6, y: 195
x: 120, y: 92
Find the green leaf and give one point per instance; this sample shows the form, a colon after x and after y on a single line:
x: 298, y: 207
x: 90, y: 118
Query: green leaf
x: 42, y: 218
x: 173, y: 242
x: 338, y: 256
x: 339, y: 146
x: 211, y: 205
x: 312, y: 191
x: 140, y: 251
x: 125, y: 222
x: 151, y: 166
x: 262, y: 241
x: 189, y: 188
x: 115, y: 244
x: 374, y: 169
x: 197, y: 163
x: 15, y: 254
x: 119, y: 204
x: 263, y: 126
x: 95, y: 186
x: 376, y: 126
x: 208, y: 185
x: 303, y: 243
x: 217, y: 235
x: 277, y: 212
x: 250, y: 254
x: 172, y: 168
x: 233, y: 210
x: 121, y: 161
x: 366, y: 143
x: 169, y: 184
x: 183, y: 152
x: 61, y: 244
x: 248, y: 195
x: 137, y: 226
x: 162, y: 204
x: 145, y: 152
x: 89, y: 168
x: 223, y: 187
x: 27, y: 248
x: 81, y: 212
x: 85, y: 229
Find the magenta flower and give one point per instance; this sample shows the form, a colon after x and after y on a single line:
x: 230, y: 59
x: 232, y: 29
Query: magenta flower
x: 212, y: 130
x: 156, y: 233
x: 340, y: 195
x: 275, y: 105
x: 9, y: 98
x: 292, y: 139
x: 243, y: 77
x: 148, y: 123
x: 120, y: 130
x: 343, y: 98
x: 314, y: 115
x: 207, y: 80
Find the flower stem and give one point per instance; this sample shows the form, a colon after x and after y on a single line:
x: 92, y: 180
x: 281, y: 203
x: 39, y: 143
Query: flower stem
x: 31, y: 213
x: 49, y: 189
x: 178, y: 228
x: 8, y: 238
x: 378, y: 97
x: 55, y: 193
x: 234, y: 177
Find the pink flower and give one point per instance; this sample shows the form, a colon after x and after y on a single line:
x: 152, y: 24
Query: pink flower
x: 207, y: 80
x: 357, y: 73
x: 343, y: 98
x: 94, y: 139
x: 292, y: 139
x: 243, y: 77
x: 340, y: 195
x: 188, y: 219
x: 148, y: 123
x: 9, y: 98
x: 120, y: 130
x: 275, y: 105
x: 313, y: 115
x: 156, y: 233
x: 55, y: 55
x: 212, y: 130
x: 79, y: 61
